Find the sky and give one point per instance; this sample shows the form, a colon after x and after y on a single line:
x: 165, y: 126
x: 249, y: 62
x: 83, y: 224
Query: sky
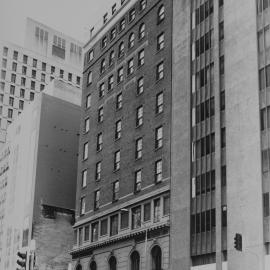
x: 72, y: 17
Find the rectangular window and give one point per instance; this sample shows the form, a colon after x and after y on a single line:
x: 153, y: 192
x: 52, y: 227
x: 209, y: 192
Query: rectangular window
x: 43, y: 66
x: 117, y: 160
x: 147, y: 212
x: 88, y: 101
x: 34, y: 74
x: 136, y: 217
x: 124, y: 219
x: 24, y: 70
x: 120, y: 75
x: 34, y: 63
x: 130, y: 68
x: 99, y: 142
x: 224, y: 216
x: 138, y: 181
x: 131, y: 15
x: 14, y: 66
x: 84, y: 178
x: 140, y: 58
x: 100, y: 115
x: 110, y: 83
x: 15, y: 55
x: 82, y: 206
x: 98, y: 171
x: 156, y: 210
x: 94, y: 231
x: 160, y: 42
x: 33, y: 85
x: 266, y: 204
x: 11, y: 101
x: 114, y: 225
x: 12, y: 89
x: 118, y: 128
x: 223, y: 137
x: 52, y: 69
x: 78, y: 80
x: 13, y: 78
x: 159, y: 137
x: 85, y: 151
x: 86, y: 233
x: 25, y: 59
x: 115, y: 191
x: 119, y: 99
x: 61, y: 74
x: 80, y: 236
x: 86, y: 125
x: 139, y: 116
x: 3, y: 74
x: 96, y: 199
x: 4, y: 63
x: 138, y: 151
x: 104, y: 227
x: 21, y: 104
x: 5, y: 51
x: 267, y: 72
x: 166, y: 205
x: 10, y: 113
x: 2, y: 86
x: 140, y: 83
x: 70, y: 77
x: 43, y: 77
x: 158, y: 171
x: 32, y: 96
x: 160, y: 71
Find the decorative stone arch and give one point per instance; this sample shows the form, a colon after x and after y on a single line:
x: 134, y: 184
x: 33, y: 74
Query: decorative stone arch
x: 78, y: 266
x: 134, y: 260
x: 112, y: 261
x: 156, y: 255
x: 92, y: 265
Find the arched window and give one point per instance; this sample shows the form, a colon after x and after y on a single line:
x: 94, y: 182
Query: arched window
x: 135, y: 260
x: 78, y: 267
x: 142, y: 31
x: 121, y: 49
x: 131, y: 40
x: 89, y: 78
x: 93, y: 265
x: 156, y: 255
x: 161, y: 14
x: 102, y: 65
x: 112, y: 263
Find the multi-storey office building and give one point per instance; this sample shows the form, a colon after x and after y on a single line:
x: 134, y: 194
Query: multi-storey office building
x: 40, y: 157
x: 210, y: 61
x: 25, y: 71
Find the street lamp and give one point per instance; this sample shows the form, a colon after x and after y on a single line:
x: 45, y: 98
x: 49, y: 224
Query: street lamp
x: 146, y: 239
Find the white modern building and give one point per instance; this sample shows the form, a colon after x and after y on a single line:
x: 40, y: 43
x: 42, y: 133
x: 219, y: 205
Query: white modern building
x: 24, y: 71
x: 40, y: 157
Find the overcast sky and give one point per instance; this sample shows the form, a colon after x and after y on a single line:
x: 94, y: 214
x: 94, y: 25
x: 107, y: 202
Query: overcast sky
x: 72, y: 17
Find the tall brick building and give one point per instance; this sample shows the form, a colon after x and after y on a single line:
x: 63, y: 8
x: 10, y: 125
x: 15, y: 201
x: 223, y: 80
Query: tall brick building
x: 174, y: 151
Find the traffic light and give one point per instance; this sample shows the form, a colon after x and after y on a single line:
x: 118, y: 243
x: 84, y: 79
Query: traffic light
x: 238, y: 241
x: 22, y: 261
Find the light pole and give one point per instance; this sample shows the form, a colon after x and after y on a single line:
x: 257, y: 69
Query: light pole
x: 145, y: 229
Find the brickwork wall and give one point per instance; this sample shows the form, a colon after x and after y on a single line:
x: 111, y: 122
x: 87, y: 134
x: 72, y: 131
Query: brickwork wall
x: 128, y: 113
x: 54, y: 239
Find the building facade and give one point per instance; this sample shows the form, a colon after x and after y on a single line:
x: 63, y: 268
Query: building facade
x: 47, y: 54
x: 175, y: 115
x: 42, y: 166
